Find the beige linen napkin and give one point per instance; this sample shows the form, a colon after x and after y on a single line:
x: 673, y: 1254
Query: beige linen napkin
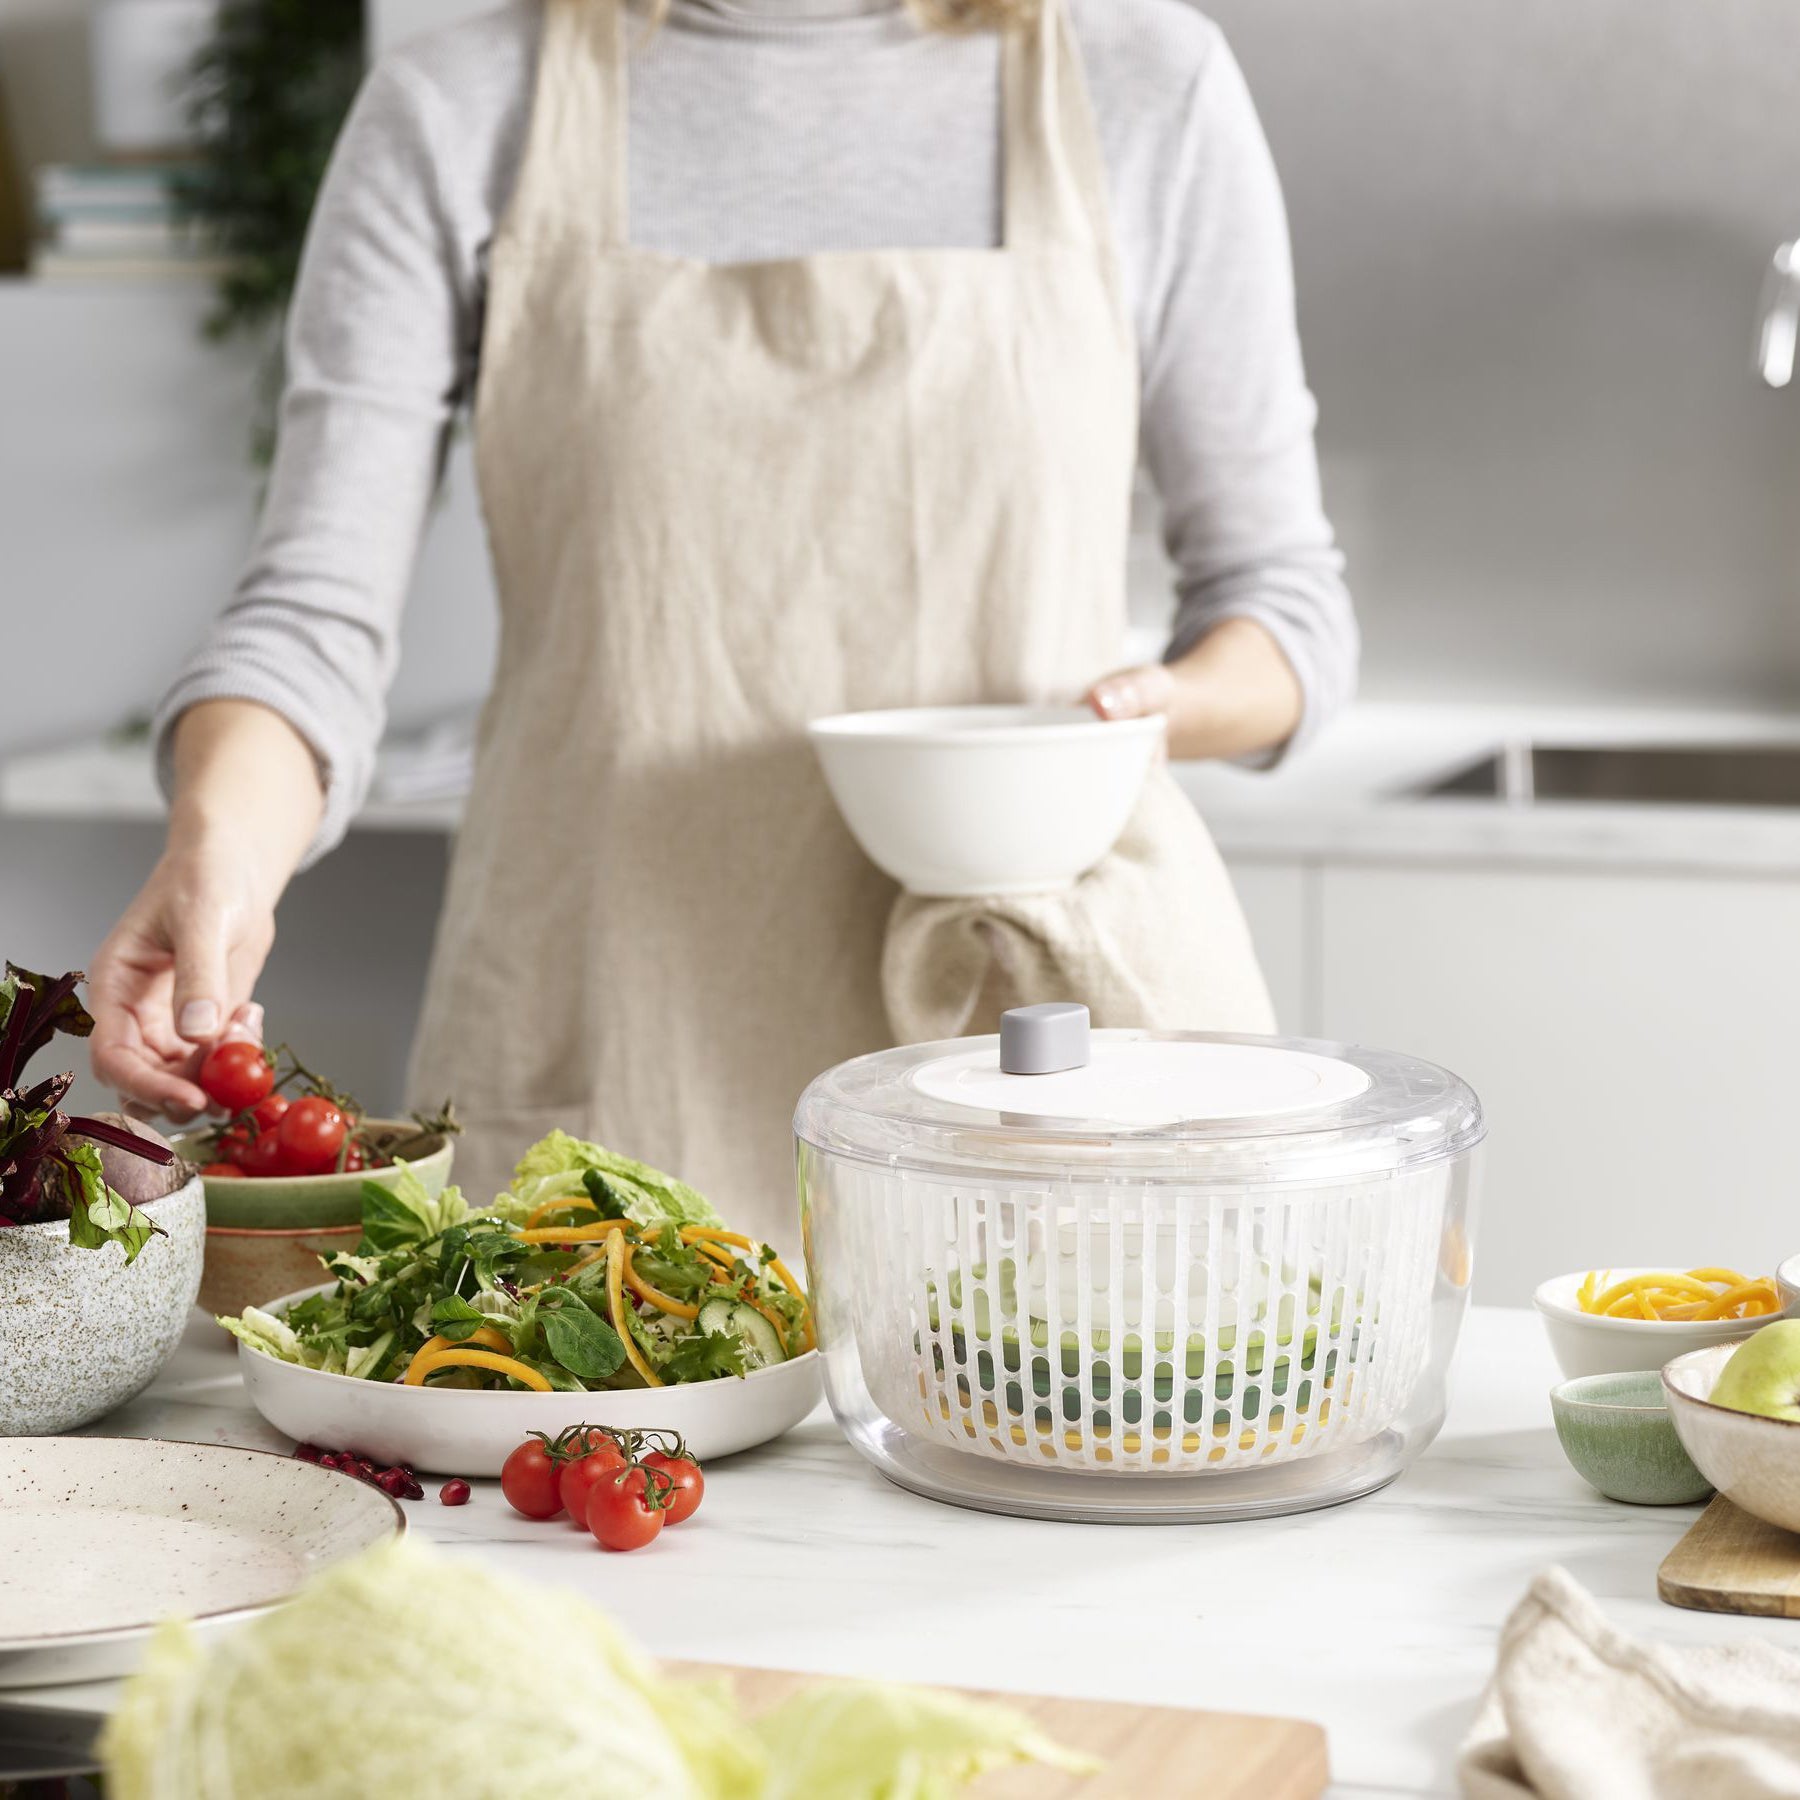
x: 1579, y: 1711
x: 1153, y: 937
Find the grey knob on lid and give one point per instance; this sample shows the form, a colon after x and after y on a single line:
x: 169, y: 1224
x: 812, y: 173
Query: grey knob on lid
x: 1044, y: 1040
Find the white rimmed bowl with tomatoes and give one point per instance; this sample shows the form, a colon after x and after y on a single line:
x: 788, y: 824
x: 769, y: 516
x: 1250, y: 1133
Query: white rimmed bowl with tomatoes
x: 472, y: 1431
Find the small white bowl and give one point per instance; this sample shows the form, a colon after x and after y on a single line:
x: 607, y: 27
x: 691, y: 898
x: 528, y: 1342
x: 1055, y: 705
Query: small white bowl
x: 472, y: 1431
x: 1787, y: 1280
x: 1585, y: 1344
x: 970, y: 800
x: 1752, y: 1460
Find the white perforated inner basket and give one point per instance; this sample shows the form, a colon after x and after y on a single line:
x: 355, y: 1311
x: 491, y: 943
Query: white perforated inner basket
x: 1154, y: 1296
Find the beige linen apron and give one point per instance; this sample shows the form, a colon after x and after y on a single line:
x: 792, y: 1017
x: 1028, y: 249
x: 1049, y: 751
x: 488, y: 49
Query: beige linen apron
x: 723, y: 501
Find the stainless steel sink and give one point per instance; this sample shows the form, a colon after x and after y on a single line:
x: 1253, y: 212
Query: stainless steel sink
x: 1650, y: 774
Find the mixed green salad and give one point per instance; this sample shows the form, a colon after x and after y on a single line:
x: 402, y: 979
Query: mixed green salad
x: 1272, y: 1363
x: 591, y: 1271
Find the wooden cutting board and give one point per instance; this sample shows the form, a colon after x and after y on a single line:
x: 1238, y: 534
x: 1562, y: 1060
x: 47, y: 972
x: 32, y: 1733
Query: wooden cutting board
x: 1730, y: 1562
x: 1149, y: 1752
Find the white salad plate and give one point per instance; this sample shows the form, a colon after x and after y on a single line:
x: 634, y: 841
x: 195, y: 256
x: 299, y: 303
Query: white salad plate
x: 106, y: 1537
x: 469, y: 1431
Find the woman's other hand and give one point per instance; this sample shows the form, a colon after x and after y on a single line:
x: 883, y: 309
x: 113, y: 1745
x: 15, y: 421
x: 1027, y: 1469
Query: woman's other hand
x: 1233, y: 694
x: 178, y: 971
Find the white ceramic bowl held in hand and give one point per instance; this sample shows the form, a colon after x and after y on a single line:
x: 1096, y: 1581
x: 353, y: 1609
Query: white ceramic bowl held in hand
x: 82, y: 1331
x: 1591, y: 1344
x: 965, y: 800
x: 471, y: 1431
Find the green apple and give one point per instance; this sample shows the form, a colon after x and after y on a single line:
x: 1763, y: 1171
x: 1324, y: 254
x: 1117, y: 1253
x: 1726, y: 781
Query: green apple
x: 1763, y: 1375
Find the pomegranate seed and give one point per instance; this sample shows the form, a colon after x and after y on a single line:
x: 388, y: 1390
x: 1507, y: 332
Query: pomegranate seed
x: 365, y: 1470
x: 414, y: 1491
x: 392, y: 1483
x: 454, y: 1493
x: 309, y: 1453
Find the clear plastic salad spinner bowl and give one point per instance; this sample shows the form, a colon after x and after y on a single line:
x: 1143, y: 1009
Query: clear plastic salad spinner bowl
x: 1138, y: 1275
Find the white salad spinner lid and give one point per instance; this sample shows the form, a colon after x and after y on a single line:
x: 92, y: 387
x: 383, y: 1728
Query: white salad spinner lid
x: 1169, y: 1105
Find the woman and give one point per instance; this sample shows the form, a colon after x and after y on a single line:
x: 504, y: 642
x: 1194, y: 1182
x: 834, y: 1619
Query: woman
x: 811, y: 348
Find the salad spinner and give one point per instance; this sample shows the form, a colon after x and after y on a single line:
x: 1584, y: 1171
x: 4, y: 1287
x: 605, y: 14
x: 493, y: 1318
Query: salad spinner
x: 1138, y: 1275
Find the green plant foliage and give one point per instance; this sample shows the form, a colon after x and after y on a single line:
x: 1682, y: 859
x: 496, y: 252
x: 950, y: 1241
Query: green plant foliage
x: 271, y: 90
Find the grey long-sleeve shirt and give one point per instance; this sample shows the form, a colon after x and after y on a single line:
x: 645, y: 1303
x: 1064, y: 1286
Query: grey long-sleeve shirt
x: 763, y: 129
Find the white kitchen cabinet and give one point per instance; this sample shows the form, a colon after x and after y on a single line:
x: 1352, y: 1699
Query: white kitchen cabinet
x: 1278, y: 897
x: 1632, y: 1036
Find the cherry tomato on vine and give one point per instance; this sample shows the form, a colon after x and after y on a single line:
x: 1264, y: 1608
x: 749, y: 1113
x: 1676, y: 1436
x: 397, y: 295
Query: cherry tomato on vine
x: 228, y: 1171
x: 626, y: 1512
x: 267, y: 1111
x: 234, y: 1140
x: 577, y: 1478
x: 263, y: 1156
x: 528, y: 1480
x: 311, y: 1133
x: 356, y: 1157
x: 687, y: 1482
x: 236, y: 1074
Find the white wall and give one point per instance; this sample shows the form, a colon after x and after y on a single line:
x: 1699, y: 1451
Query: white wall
x: 1530, y: 238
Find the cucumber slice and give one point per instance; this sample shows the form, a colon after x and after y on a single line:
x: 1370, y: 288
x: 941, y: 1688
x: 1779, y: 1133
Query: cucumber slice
x: 761, y: 1341
x: 715, y: 1316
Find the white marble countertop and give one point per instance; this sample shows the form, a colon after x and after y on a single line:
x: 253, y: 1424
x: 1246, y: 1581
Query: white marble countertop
x: 1378, y: 1619
x: 1352, y: 795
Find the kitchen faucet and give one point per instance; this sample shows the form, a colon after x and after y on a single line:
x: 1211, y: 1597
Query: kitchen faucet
x: 1781, y: 317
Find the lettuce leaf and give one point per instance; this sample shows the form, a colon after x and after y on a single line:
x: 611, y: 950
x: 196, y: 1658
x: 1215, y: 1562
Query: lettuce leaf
x: 404, y: 1213
x: 272, y: 1336
x: 554, y: 1168
x: 845, y: 1740
x: 436, y: 1676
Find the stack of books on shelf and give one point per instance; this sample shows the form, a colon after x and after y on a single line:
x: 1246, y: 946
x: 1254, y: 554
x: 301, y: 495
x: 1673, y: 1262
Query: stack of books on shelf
x: 112, y: 222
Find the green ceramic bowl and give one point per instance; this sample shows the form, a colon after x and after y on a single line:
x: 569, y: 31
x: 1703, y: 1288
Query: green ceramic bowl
x: 313, y: 1202
x: 1619, y: 1438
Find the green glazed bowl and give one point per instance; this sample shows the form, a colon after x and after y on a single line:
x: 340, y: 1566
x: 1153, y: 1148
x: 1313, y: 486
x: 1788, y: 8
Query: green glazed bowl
x: 1618, y: 1435
x: 314, y: 1202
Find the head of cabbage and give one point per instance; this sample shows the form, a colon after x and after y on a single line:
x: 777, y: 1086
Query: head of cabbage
x: 409, y: 1672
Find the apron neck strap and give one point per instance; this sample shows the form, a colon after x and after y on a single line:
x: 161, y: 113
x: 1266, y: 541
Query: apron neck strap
x: 575, y: 172
x: 1055, y: 178
x: 576, y: 169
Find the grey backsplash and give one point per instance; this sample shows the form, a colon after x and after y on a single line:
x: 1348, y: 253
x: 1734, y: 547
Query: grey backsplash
x: 1530, y: 237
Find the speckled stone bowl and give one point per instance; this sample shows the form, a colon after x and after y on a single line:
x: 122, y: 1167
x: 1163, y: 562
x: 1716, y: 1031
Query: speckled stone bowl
x: 1616, y: 1431
x: 80, y: 1331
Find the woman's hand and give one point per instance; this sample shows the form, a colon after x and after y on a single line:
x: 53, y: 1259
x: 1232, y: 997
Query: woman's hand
x: 1233, y: 694
x: 177, y: 972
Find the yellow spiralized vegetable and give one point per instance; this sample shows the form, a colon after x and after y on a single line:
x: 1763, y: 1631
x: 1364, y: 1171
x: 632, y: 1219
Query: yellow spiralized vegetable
x: 1670, y: 1296
x: 484, y: 1336
x: 477, y: 1359
x: 617, y: 1251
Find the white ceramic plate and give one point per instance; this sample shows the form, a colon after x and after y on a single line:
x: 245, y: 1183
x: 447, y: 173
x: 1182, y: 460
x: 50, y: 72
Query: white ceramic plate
x: 1585, y: 1344
x: 467, y: 1431
x: 103, y: 1538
